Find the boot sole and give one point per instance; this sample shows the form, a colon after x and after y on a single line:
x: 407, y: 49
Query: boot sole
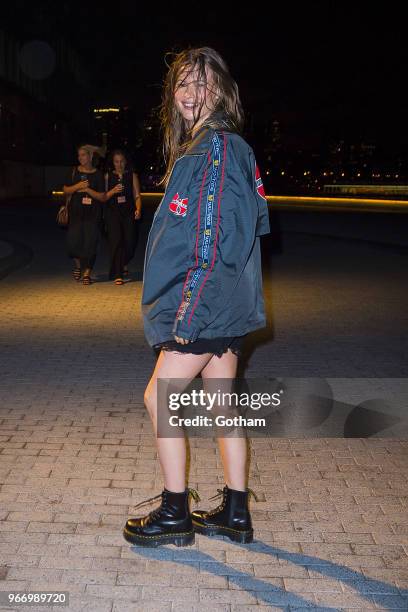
x: 243, y: 537
x: 180, y: 539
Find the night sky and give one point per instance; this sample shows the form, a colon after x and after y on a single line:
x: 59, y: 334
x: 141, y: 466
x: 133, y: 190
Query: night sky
x: 323, y: 69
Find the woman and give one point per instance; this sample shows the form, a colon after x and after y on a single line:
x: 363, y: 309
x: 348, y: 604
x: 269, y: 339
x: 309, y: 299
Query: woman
x: 86, y: 186
x: 123, y: 207
x: 202, y: 285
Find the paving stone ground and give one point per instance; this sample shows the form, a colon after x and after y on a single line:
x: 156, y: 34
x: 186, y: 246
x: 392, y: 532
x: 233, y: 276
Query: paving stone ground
x: 77, y: 450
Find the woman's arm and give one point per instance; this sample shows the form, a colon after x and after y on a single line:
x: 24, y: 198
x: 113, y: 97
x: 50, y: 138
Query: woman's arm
x: 99, y: 193
x: 108, y: 194
x: 96, y: 195
x: 137, y: 196
x: 224, y: 229
x: 70, y: 189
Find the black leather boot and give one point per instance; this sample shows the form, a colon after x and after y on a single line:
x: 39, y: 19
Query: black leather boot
x: 170, y: 523
x: 231, y: 518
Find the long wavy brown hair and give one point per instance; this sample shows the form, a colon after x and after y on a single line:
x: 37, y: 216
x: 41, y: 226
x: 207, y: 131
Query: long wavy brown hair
x: 227, y: 113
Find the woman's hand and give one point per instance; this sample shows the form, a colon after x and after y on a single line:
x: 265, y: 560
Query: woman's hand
x: 116, y: 189
x: 181, y: 340
x: 82, y: 185
x: 138, y: 213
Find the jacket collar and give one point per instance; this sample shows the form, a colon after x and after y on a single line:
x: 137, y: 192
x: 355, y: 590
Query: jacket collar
x: 201, y: 141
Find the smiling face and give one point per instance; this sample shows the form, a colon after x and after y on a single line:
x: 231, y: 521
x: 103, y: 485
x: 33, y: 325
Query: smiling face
x: 84, y: 157
x: 195, y: 96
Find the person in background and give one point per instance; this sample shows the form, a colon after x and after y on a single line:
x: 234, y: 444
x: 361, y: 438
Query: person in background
x: 123, y: 208
x: 86, y: 186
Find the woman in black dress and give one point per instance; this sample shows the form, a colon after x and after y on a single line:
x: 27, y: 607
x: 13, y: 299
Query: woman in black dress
x: 122, y: 209
x: 86, y: 186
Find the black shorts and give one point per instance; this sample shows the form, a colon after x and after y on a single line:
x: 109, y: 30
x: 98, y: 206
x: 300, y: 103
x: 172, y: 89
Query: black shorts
x: 218, y: 346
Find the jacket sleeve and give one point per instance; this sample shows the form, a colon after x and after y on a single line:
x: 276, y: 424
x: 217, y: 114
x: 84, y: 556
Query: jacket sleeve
x: 262, y: 224
x: 227, y: 214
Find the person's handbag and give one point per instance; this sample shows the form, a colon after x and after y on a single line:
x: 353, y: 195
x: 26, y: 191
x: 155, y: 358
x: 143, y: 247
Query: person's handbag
x: 63, y: 213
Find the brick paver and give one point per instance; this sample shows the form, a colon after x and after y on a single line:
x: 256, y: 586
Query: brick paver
x: 77, y: 453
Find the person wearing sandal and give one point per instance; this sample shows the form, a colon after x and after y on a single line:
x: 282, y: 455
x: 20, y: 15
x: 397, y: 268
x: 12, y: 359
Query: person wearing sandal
x: 123, y: 207
x: 202, y: 285
x: 86, y: 186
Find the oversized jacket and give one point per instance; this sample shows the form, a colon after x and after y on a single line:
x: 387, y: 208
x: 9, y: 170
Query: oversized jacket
x: 202, y: 271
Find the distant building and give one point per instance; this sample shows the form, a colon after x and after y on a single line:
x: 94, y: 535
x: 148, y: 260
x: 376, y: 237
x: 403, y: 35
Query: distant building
x: 44, y: 102
x: 44, y: 97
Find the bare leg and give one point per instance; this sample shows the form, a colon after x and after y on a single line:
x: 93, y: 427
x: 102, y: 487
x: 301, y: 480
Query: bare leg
x: 233, y: 450
x: 172, y: 451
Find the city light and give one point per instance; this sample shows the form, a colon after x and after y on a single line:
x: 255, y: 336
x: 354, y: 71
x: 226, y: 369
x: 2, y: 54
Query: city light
x: 106, y: 110
x: 322, y: 202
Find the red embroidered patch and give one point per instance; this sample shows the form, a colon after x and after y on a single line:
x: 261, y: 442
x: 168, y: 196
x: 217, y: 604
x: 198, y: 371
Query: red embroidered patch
x: 178, y: 205
x: 259, y: 184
